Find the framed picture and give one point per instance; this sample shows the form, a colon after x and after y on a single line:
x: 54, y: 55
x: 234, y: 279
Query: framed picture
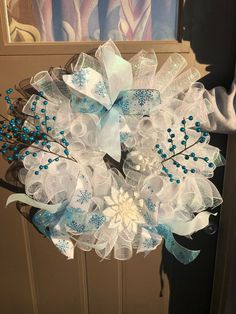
x: 68, y: 27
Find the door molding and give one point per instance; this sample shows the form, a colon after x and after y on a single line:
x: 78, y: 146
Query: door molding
x: 226, y: 244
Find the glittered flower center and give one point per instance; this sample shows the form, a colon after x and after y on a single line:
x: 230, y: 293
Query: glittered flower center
x: 128, y: 210
x: 122, y: 208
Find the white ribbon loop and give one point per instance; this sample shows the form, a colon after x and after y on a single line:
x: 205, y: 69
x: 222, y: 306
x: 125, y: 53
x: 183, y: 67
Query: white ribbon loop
x: 90, y: 83
x: 144, y: 66
x: 118, y: 80
x: 43, y: 82
x: 199, y: 222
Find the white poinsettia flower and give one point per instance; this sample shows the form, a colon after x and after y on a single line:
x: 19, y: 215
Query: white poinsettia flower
x: 123, y: 211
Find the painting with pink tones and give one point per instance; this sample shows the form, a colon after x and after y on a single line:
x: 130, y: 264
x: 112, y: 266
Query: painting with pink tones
x: 92, y: 20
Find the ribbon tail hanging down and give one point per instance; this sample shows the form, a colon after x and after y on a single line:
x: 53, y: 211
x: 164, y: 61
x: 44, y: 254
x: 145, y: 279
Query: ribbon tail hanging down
x: 109, y: 135
x: 23, y: 198
x: 182, y: 254
x: 199, y: 222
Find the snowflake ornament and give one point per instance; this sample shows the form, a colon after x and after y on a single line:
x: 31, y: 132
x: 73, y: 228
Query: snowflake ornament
x: 84, y: 196
x: 80, y: 78
x: 100, y: 89
x: 142, y: 96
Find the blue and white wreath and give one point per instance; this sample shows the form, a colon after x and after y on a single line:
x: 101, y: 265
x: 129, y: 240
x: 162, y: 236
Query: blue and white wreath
x: 115, y: 156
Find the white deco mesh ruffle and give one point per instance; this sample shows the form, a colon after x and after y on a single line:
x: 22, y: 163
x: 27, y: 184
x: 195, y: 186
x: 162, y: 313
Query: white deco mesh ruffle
x: 129, y: 207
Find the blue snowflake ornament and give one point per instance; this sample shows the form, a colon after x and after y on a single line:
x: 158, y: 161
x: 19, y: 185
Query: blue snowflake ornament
x: 142, y: 96
x: 97, y: 220
x: 80, y: 228
x: 124, y: 137
x: 84, y: 197
x: 149, y: 243
x: 150, y: 205
x: 80, y: 78
x: 100, y: 89
x: 124, y: 105
x: 63, y: 245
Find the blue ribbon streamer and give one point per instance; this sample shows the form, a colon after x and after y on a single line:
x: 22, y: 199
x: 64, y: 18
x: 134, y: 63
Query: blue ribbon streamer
x: 129, y: 102
x: 45, y: 221
x: 182, y: 254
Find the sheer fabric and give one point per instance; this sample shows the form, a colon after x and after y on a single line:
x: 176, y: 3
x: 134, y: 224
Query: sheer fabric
x: 89, y: 20
x: 164, y: 185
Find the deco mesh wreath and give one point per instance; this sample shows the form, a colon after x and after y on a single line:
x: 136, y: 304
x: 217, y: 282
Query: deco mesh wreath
x: 108, y: 112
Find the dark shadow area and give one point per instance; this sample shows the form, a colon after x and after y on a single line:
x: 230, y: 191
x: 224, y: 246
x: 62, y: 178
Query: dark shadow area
x: 230, y: 300
x: 210, y: 26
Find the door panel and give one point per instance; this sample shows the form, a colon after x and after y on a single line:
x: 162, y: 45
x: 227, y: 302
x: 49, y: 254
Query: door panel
x: 36, y: 278
x: 62, y: 291
x: 85, y: 284
x: 143, y: 286
x: 15, y: 283
x: 106, y: 295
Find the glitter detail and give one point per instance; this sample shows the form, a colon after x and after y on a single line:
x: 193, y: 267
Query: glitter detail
x: 149, y: 243
x: 100, y: 89
x: 142, y: 96
x: 80, y: 78
x: 97, y: 220
x: 150, y: 205
x: 63, y: 246
x: 80, y: 228
x: 124, y: 136
x: 84, y: 197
